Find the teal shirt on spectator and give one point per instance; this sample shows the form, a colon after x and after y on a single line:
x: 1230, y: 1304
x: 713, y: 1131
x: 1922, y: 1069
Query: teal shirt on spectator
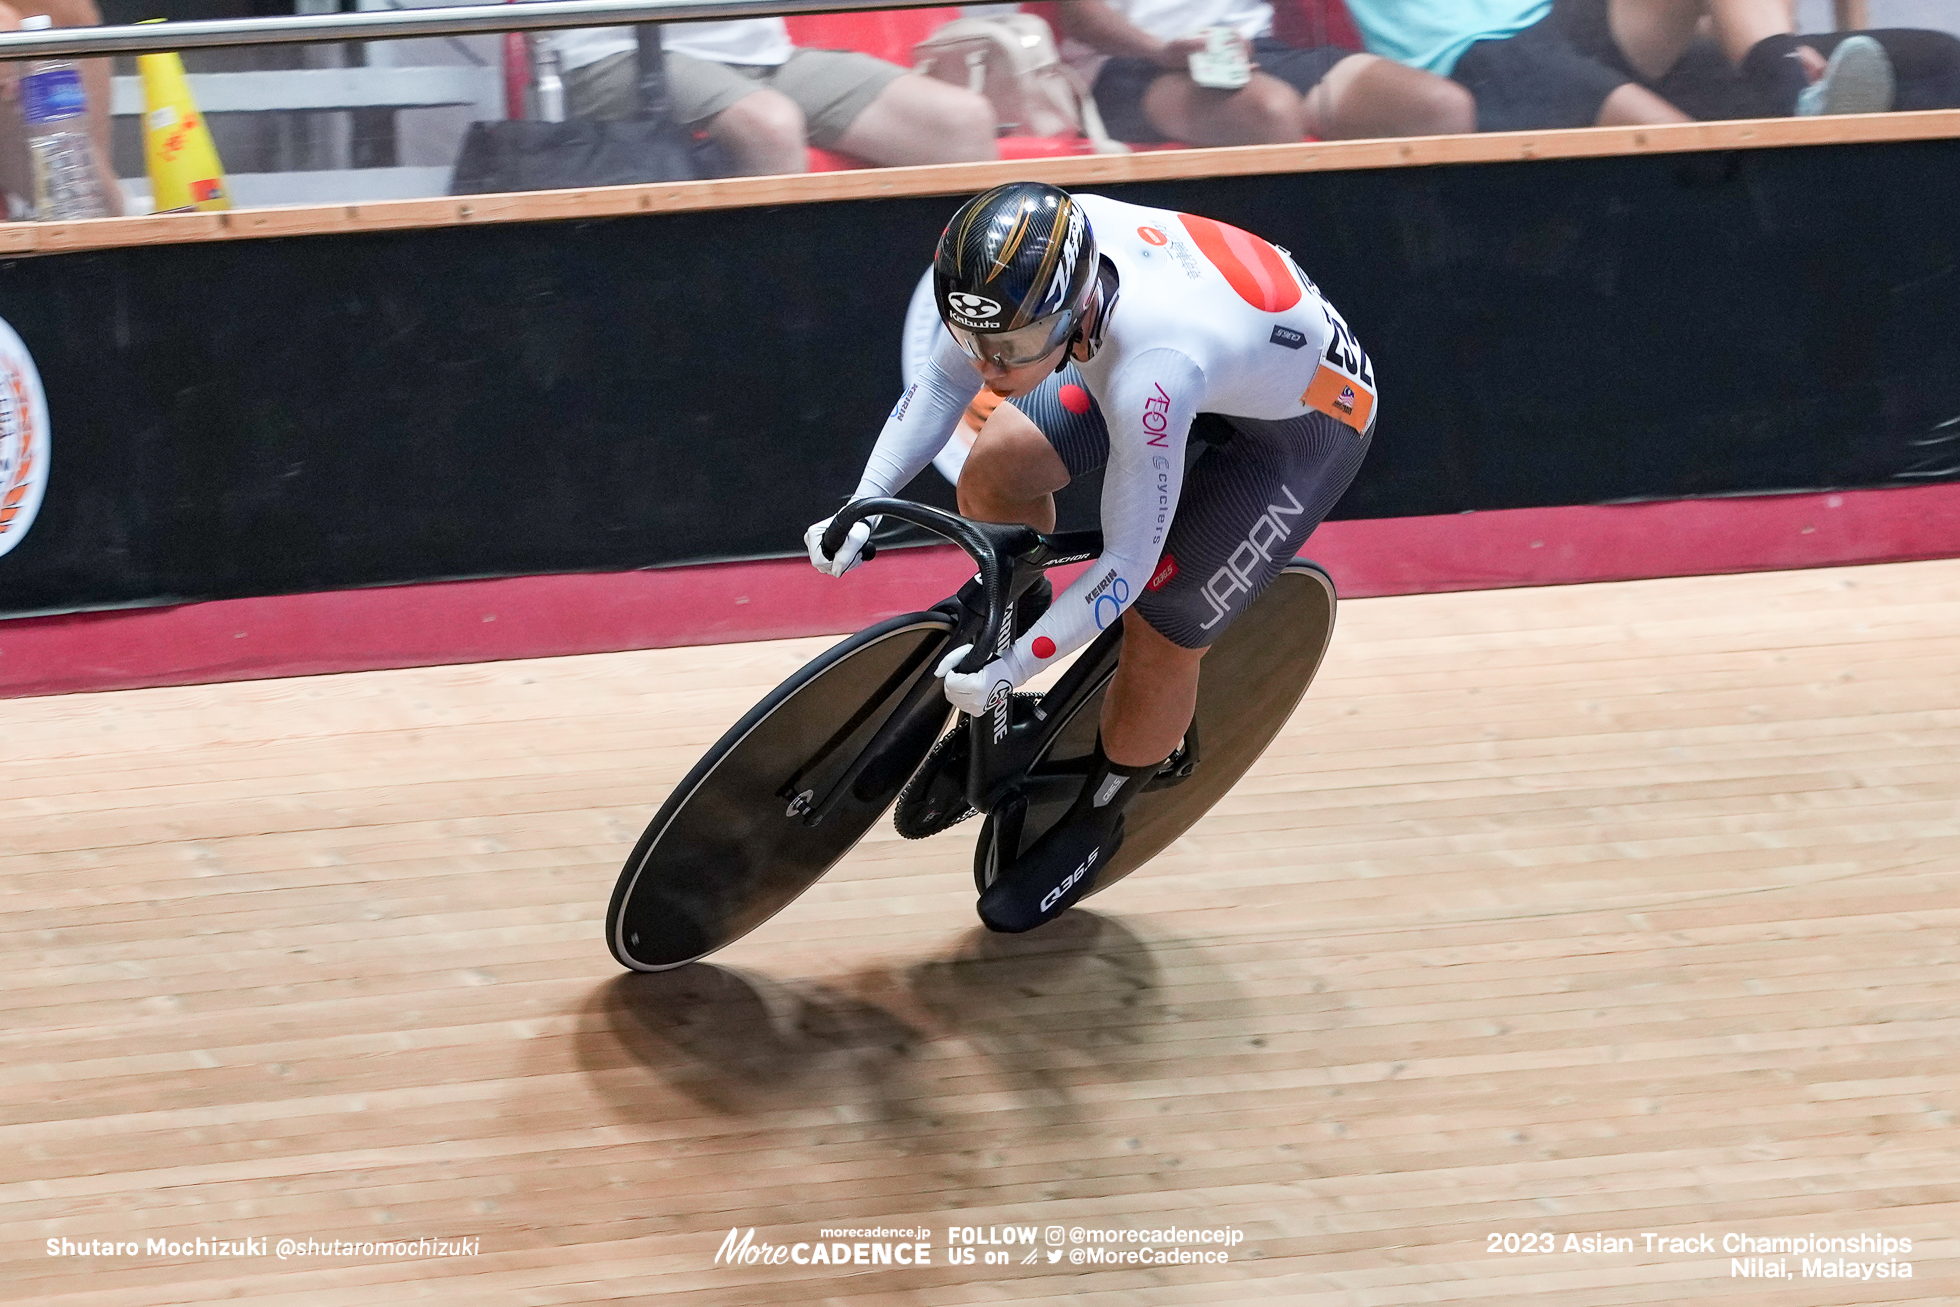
x: 1433, y: 34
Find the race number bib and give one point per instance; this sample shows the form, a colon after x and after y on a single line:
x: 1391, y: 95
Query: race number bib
x: 1343, y: 386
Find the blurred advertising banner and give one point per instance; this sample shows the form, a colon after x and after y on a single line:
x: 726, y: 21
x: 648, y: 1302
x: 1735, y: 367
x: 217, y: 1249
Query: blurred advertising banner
x: 308, y: 413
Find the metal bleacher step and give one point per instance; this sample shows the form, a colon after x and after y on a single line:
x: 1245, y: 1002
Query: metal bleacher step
x: 326, y: 90
x: 323, y: 89
x: 314, y: 186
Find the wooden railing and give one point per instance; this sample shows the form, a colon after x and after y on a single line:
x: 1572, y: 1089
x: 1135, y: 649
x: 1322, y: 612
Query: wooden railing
x: 955, y: 179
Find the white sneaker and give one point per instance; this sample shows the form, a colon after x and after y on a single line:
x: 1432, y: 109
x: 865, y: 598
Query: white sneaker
x: 1858, y: 79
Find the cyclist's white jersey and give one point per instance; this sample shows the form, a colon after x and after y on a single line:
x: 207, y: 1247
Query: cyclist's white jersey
x: 1207, y: 319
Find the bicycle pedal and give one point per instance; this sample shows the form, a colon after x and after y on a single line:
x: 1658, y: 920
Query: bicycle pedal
x: 1179, y: 767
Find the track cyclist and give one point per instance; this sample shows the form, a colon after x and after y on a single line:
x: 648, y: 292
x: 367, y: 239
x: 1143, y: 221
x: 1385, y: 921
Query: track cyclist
x: 1110, y: 329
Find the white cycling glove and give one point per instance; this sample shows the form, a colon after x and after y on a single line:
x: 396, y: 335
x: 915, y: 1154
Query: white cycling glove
x: 972, y: 692
x: 847, y: 555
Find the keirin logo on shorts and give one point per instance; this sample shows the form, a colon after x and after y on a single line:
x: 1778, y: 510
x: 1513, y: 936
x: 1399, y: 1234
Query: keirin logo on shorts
x: 1235, y: 578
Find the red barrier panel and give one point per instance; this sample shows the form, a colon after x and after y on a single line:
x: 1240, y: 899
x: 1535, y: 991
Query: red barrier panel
x: 542, y: 616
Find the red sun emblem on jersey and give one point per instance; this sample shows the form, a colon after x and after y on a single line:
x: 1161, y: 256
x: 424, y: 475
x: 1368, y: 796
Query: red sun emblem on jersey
x: 1257, y: 271
x: 1043, y: 647
x: 1074, y: 398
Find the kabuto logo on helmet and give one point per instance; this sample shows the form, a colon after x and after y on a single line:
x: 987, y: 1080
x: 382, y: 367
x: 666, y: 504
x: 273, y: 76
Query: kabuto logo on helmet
x: 970, y: 310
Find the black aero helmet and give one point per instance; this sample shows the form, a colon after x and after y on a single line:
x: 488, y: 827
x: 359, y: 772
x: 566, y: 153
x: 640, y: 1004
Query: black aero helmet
x: 1014, y: 272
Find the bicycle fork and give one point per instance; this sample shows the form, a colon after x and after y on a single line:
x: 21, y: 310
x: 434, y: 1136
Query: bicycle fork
x: 920, y: 707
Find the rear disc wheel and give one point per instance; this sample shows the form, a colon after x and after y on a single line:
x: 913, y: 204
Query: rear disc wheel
x: 1251, y: 681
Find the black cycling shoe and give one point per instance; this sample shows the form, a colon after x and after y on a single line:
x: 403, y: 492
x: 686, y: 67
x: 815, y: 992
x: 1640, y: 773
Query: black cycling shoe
x: 1052, y: 875
x: 1061, y: 866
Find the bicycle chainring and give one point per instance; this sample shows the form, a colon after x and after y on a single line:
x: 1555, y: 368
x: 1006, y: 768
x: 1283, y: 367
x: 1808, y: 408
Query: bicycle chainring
x: 935, y: 798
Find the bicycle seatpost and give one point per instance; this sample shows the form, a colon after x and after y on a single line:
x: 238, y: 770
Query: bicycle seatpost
x: 993, y: 548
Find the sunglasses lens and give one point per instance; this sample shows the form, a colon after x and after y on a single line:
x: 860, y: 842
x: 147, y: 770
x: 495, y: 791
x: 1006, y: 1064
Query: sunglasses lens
x: 1013, y: 349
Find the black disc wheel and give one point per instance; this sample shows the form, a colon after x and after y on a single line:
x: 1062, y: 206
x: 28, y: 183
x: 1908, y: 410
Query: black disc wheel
x: 1248, y: 686
x: 781, y: 797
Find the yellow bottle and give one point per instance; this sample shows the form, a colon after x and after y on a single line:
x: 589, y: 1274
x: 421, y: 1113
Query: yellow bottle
x: 185, y: 174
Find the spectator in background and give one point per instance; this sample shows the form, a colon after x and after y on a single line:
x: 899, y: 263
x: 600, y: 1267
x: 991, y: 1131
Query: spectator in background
x: 763, y: 100
x: 1580, y: 63
x: 1530, y: 63
x: 16, y: 172
x: 1783, y: 73
x: 1140, y: 73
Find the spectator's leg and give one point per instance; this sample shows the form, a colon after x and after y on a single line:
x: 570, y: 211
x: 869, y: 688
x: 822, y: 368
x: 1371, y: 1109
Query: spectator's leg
x: 761, y: 128
x: 1265, y: 111
x: 1563, y: 71
x: 1759, y: 38
x: 16, y: 176
x: 1652, y: 35
x: 919, y: 119
x: 1740, y: 25
x: 1927, y: 64
x: 883, y: 114
x: 1633, y: 105
x: 1365, y: 95
x: 1635, y: 39
x: 1704, y: 85
x: 763, y: 134
x: 605, y: 90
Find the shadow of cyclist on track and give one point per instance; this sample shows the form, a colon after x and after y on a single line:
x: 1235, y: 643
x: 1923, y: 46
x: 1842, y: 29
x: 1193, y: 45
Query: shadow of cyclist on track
x: 737, y: 1043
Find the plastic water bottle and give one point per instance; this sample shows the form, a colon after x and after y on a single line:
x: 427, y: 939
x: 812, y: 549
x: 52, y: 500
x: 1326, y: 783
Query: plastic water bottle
x: 54, y: 105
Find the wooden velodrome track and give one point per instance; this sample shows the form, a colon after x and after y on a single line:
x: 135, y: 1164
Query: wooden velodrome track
x: 1617, y: 909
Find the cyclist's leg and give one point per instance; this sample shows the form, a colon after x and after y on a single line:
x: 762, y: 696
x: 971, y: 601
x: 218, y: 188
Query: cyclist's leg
x: 1029, y: 448
x: 1246, y: 509
x: 1151, y: 698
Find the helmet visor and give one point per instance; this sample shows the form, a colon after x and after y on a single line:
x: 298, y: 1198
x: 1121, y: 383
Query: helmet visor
x: 1017, y: 348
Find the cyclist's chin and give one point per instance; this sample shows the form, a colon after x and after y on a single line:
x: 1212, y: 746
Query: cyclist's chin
x: 1021, y: 381
x: 1011, y: 383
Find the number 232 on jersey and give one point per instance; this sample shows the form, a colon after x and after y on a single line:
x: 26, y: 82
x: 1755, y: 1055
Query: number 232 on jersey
x: 1343, y: 386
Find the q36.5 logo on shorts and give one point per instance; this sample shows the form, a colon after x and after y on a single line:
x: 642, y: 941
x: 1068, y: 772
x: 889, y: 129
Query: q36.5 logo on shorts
x: 23, y: 439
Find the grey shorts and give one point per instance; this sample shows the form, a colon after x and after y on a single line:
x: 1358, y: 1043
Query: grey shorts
x: 1252, y: 496
x: 831, y: 87
x: 1556, y: 73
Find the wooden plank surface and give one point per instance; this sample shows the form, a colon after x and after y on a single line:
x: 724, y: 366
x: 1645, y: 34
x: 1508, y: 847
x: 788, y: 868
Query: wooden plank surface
x: 968, y: 178
x: 1617, y: 909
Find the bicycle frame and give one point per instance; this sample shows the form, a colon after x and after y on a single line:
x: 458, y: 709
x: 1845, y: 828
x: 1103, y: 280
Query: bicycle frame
x: 1011, y: 559
x: 863, y: 723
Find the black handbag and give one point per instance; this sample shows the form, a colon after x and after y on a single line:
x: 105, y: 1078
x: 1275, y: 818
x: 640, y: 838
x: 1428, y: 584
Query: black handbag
x: 526, y: 155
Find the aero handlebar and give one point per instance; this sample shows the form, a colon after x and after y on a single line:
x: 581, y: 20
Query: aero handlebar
x: 994, y: 549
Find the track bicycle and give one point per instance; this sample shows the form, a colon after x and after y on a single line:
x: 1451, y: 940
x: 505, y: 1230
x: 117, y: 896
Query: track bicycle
x: 793, y: 785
